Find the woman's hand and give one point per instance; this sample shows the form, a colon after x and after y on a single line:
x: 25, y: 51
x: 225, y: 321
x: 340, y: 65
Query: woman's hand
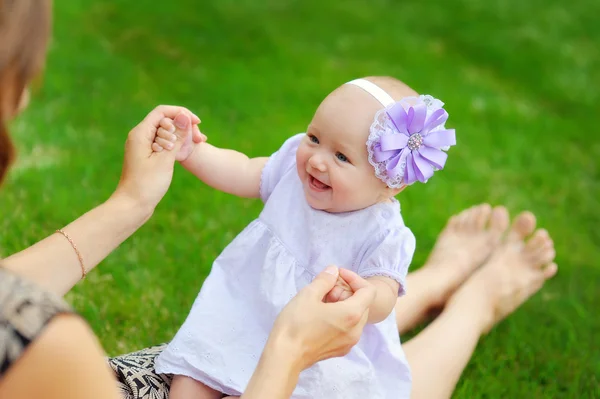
x: 147, y: 174
x: 308, y: 330
x: 315, y: 330
x: 165, y: 140
x: 54, y: 264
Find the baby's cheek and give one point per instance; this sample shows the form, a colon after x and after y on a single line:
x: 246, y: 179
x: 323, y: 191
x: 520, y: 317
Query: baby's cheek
x: 301, y: 156
x: 349, y: 192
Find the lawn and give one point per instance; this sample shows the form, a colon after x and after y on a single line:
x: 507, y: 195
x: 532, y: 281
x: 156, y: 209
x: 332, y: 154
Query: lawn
x: 520, y: 79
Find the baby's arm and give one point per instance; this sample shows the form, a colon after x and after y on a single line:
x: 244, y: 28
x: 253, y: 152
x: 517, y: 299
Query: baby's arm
x: 385, y: 299
x: 226, y: 170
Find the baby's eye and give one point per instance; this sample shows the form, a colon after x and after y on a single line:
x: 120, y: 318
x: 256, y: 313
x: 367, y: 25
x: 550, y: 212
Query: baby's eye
x: 313, y: 139
x: 342, y: 157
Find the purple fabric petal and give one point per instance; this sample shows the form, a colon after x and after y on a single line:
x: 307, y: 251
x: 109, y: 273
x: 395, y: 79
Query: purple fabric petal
x: 409, y: 173
x: 391, y: 165
x: 440, y: 138
x: 416, y: 123
x: 394, y: 166
x: 418, y: 173
x: 423, y: 168
x: 398, y: 116
x: 393, y: 142
x: 377, y: 152
x: 434, y: 156
x: 410, y: 114
x: 392, y: 149
x: 437, y: 118
x: 380, y: 155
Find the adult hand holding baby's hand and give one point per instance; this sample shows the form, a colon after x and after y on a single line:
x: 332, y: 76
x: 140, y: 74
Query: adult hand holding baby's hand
x: 341, y: 291
x: 311, y: 330
x: 165, y: 139
x: 146, y: 174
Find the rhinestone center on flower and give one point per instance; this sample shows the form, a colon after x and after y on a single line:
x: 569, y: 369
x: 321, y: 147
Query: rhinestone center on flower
x: 415, y: 141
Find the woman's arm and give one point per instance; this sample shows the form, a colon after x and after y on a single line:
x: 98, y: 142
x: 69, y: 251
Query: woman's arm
x: 308, y: 330
x: 277, y: 372
x: 53, y: 264
x: 65, y: 361
x: 226, y: 170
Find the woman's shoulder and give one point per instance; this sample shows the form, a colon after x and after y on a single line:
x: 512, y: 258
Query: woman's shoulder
x: 25, y: 310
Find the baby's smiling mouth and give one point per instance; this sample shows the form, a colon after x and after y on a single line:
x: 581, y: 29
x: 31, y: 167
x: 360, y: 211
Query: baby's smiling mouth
x: 317, y: 184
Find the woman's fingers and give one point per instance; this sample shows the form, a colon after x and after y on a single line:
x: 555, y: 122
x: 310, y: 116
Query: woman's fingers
x: 352, y: 279
x: 168, y: 133
x: 168, y: 111
x: 356, y: 307
x: 323, y: 283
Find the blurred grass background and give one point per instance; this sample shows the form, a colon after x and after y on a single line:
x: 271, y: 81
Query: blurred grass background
x: 520, y: 79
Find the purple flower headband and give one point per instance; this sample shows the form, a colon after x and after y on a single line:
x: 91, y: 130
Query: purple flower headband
x: 408, y: 139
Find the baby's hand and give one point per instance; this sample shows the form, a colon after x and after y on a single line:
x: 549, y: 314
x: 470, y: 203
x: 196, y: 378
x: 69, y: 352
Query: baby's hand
x: 165, y: 139
x: 340, y: 292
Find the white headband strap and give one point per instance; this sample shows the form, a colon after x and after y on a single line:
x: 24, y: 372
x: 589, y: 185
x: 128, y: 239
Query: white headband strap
x: 374, y: 90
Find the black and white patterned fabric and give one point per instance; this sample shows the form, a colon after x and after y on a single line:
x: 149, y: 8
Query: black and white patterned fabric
x: 25, y: 310
x: 136, y: 377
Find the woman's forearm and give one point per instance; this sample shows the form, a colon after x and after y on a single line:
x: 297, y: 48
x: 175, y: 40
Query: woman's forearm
x: 277, y: 373
x: 53, y: 263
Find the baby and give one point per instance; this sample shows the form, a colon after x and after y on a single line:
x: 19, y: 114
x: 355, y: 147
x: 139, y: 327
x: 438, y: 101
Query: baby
x: 329, y: 199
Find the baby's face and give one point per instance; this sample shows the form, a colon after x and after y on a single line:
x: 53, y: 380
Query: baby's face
x: 332, y: 159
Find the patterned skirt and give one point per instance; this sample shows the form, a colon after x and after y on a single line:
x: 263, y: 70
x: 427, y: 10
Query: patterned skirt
x: 135, y: 375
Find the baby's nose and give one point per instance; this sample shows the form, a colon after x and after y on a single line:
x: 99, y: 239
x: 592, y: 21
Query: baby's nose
x: 317, y: 163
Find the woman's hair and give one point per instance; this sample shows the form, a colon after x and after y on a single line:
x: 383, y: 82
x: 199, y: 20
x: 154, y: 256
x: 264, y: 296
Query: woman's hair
x: 24, y: 32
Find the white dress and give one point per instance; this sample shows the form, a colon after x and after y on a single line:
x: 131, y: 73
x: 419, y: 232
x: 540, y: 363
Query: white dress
x: 265, y: 266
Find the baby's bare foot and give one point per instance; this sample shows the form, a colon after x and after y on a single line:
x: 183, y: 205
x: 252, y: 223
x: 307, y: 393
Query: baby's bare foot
x: 464, y: 244
x: 514, y: 272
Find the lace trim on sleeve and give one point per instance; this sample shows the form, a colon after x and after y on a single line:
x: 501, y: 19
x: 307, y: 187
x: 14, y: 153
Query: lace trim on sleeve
x: 386, y: 273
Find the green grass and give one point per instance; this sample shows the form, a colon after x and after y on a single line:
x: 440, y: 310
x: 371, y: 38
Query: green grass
x: 520, y: 79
